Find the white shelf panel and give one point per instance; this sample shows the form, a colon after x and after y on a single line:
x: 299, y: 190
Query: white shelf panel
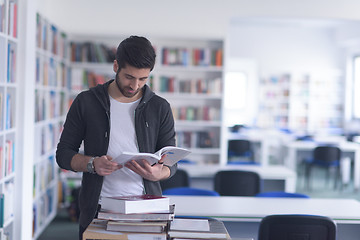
x: 205, y: 151
x: 190, y: 96
x: 197, y: 123
x: 169, y: 68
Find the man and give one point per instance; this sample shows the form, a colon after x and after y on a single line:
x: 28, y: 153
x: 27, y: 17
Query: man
x: 120, y: 115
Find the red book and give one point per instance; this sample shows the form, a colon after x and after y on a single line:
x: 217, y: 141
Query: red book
x: 15, y: 21
x: 219, y: 56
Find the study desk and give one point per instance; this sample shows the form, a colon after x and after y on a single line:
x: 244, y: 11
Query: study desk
x: 242, y: 215
x: 261, y: 141
x: 264, y: 139
x: 345, y: 146
x: 265, y: 172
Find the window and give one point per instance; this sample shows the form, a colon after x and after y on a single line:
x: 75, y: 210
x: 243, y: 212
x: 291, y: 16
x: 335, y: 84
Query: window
x: 235, y: 97
x: 356, y: 88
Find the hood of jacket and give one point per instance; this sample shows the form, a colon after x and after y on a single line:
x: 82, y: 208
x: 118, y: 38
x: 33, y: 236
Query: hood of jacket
x: 102, y: 94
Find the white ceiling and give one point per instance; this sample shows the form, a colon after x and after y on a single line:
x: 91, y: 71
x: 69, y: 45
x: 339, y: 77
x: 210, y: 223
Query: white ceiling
x: 185, y: 18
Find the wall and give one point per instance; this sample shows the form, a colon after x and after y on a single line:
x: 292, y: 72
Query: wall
x: 200, y: 18
x: 283, y: 44
x: 277, y: 46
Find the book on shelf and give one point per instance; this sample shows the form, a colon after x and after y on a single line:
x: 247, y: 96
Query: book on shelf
x: 172, y: 155
x: 135, y: 204
x: 97, y: 230
x: 2, y: 15
x: 157, y: 216
x: 91, y: 52
x: 12, y: 18
x: 190, y: 228
x: 2, y: 195
x: 136, y: 226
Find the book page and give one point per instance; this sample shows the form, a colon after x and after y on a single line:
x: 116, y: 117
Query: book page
x: 127, y: 156
x: 173, y: 154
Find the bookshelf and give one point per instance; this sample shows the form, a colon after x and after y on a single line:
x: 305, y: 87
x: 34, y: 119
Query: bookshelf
x: 188, y: 73
x: 8, y: 116
x: 310, y: 102
x: 51, y: 103
x: 189, y: 76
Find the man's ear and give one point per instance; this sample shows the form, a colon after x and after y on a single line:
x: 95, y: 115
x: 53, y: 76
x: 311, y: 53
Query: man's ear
x: 115, y: 66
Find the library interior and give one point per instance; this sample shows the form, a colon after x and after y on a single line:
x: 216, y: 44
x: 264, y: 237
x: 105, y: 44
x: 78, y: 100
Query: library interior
x: 264, y: 94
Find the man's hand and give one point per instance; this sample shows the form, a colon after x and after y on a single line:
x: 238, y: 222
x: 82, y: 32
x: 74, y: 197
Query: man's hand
x: 153, y: 173
x: 104, y: 166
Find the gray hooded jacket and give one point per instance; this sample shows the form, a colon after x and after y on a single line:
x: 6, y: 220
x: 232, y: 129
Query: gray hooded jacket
x: 88, y: 120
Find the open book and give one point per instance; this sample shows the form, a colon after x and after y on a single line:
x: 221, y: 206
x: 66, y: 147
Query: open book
x: 172, y: 156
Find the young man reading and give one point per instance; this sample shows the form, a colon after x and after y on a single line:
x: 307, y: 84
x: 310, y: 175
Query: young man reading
x: 120, y: 115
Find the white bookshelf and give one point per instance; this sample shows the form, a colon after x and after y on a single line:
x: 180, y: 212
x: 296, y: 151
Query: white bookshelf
x: 190, y: 67
x: 307, y: 101
x: 9, y: 139
x: 189, y: 75
x: 51, y: 104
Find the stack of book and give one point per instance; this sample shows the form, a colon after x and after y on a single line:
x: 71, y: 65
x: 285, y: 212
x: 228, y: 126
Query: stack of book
x: 147, y: 216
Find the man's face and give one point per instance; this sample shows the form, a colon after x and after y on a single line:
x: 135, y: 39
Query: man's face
x: 131, y: 80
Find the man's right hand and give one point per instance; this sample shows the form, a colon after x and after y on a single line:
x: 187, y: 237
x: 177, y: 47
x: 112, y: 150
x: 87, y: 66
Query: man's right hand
x: 104, y: 166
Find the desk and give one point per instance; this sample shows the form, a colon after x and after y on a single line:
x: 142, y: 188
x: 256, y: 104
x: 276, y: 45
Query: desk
x: 245, y: 213
x: 265, y: 172
x: 294, y: 146
x: 265, y: 139
x: 263, y: 142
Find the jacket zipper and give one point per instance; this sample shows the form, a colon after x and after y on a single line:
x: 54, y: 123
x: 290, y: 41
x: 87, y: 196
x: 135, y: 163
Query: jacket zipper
x: 107, y: 132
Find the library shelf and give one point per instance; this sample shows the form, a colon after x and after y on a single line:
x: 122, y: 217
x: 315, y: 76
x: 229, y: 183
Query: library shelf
x: 188, y: 73
x: 51, y: 104
x: 8, y: 115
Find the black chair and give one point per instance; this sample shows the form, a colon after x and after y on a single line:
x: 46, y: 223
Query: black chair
x: 324, y: 157
x: 179, y: 179
x: 240, y: 150
x: 237, y: 183
x: 296, y: 227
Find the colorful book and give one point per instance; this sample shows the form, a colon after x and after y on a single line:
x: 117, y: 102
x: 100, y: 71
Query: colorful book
x: 135, y: 204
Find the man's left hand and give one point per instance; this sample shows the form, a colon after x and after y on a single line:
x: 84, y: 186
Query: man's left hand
x: 153, y: 173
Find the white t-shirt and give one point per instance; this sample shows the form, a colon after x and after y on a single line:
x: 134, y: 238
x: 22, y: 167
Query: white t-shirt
x: 122, y: 138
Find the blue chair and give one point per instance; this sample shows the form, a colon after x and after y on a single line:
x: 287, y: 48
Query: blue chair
x: 282, y: 195
x: 297, y: 226
x: 326, y: 156
x: 190, y: 191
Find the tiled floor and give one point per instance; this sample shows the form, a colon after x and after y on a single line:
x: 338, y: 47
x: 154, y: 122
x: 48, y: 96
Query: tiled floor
x: 321, y: 188
x: 61, y: 228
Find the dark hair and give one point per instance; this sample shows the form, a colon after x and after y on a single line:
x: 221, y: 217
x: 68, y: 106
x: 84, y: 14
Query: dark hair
x: 137, y: 52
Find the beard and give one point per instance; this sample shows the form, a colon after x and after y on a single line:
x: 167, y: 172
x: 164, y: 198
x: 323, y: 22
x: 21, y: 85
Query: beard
x: 126, y: 91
